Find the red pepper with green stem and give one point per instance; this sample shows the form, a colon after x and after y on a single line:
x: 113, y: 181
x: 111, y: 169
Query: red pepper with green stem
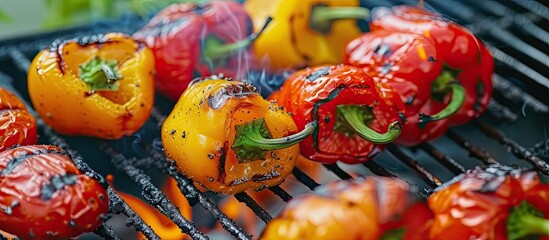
x: 404, y: 61
x: 354, y: 119
x: 191, y: 40
x: 464, y: 57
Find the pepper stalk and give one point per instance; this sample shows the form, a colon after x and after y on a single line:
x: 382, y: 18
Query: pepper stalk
x: 353, y: 117
x: 323, y: 16
x: 526, y: 220
x: 100, y: 74
x: 445, y: 83
x: 253, y: 140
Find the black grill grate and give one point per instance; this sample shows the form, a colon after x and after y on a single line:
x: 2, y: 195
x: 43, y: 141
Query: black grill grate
x: 516, y: 35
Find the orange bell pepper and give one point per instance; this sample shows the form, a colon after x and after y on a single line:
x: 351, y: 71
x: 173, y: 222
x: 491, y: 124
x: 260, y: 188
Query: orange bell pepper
x: 100, y: 86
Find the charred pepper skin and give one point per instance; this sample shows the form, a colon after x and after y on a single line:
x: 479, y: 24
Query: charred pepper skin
x: 491, y: 203
x: 206, y: 132
x: 17, y: 125
x: 404, y: 61
x: 305, y: 32
x: 320, y: 94
x: 464, y: 55
x: 179, y: 36
x: 100, y: 86
x: 364, y: 208
x: 44, y: 196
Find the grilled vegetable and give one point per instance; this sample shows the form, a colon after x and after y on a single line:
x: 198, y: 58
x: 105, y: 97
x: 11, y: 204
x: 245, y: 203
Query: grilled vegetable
x: 44, y: 196
x: 17, y: 126
x: 358, y: 209
x: 464, y: 57
x: 191, y: 40
x: 353, y: 115
x: 227, y: 138
x: 306, y: 32
x: 498, y: 202
x: 100, y: 86
x: 7, y: 236
x: 405, y: 62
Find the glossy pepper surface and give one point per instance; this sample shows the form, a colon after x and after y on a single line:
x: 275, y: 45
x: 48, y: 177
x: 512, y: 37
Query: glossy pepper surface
x: 359, y: 209
x: 498, y: 202
x: 306, y: 32
x: 227, y: 138
x: 354, y: 116
x: 100, y: 86
x: 405, y: 62
x: 44, y: 196
x: 464, y: 57
x: 191, y: 40
x: 17, y: 126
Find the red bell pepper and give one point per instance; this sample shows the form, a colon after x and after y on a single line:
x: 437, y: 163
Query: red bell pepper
x: 191, y: 40
x: 464, y: 57
x: 402, y: 61
x: 354, y: 119
x: 498, y: 203
x: 17, y: 125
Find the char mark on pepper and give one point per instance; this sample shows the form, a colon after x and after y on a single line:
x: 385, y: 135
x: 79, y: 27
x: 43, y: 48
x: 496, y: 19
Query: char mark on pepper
x: 217, y: 99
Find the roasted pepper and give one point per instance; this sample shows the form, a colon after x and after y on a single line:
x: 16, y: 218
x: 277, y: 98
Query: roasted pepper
x: 191, y: 40
x: 306, y: 32
x: 223, y: 135
x: 359, y: 209
x: 100, y: 86
x: 17, y: 126
x: 43, y: 195
x: 354, y: 117
x: 404, y: 62
x: 464, y: 57
x: 498, y: 202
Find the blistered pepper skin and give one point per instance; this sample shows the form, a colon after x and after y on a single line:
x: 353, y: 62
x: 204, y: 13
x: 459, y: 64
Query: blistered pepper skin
x: 477, y: 204
x: 66, y: 103
x: 199, y: 134
x: 457, y: 48
x: 44, y: 196
x: 17, y: 125
x: 177, y: 35
x: 407, y: 63
x: 314, y: 94
x: 289, y: 42
x: 360, y: 209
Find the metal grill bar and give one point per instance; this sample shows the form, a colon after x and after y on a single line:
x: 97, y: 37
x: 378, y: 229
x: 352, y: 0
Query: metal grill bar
x: 192, y: 194
x: 541, y: 149
x: 106, y: 233
x: 258, y: 210
x: 474, y: 151
x: 377, y: 170
x: 285, y: 196
x: 447, y: 161
x: 152, y: 194
x: 306, y: 180
x: 513, y: 147
x: 510, y: 91
x: 499, y: 111
x: 534, y: 7
x: 337, y: 171
x: 427, y: 177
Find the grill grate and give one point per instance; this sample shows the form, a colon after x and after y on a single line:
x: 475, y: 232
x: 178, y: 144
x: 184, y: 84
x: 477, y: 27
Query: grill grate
x: 506, y: 25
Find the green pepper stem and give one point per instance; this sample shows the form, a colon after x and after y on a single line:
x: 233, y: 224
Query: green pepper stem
x: 322, y: 14
x: 216, y: 49
x: 526, y: 220
x: 253, y: 140
x: 444, y: 83
x: 354, y: 117
x: 100, y: 74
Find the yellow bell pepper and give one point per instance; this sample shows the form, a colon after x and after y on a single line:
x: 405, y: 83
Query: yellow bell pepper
x: 225, y: 137
x: 101, y: 86
x: 305, y: 32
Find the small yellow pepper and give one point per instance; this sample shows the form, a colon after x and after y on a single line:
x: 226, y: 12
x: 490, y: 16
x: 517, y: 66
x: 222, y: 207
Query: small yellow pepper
x: 305, y: 32
x: 100, y: 86
x: 225, y: 137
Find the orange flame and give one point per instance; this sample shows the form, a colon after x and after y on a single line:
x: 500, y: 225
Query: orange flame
x: 161, y: 224
x: 7, y: 236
